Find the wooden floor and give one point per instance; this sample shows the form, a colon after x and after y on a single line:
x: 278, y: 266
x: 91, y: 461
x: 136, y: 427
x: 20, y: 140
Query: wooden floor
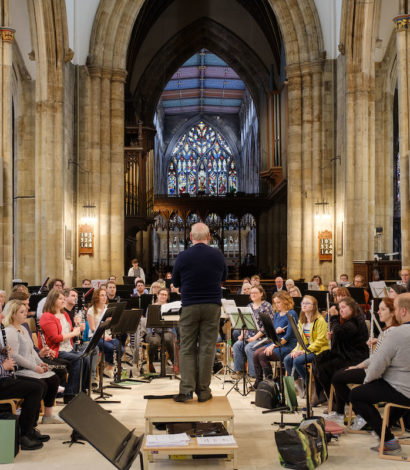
x: 253, y: 433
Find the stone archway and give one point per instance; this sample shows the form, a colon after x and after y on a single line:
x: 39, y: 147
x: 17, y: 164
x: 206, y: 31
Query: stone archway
x: 300, y: 26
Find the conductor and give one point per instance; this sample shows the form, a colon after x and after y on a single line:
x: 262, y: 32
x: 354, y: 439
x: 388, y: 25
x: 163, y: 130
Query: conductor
x: 199, y: 272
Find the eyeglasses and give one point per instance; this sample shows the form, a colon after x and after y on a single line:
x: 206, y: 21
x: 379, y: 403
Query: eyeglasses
x: 306, y: 303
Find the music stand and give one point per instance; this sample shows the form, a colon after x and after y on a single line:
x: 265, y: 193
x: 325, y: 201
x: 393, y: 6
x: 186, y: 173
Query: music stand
x: 302, y: 344
x: 320, y: 296
x: 34, y: 300
x: 142, y: 302
x: 154, y: 320
x: 358, y: 294
x: 128, y: 280
x: 106, y: 434
x: 378, y: 289
x: 125, y: 322
x: 241, y: 300
x: 242, y: 320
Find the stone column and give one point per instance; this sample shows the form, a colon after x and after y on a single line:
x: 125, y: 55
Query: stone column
x: 117, y: 172
x: 402, y: 24
x: 295, y: 215
x: 6, y: 151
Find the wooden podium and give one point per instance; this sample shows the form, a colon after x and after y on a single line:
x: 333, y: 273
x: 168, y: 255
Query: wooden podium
x: 169, y: 411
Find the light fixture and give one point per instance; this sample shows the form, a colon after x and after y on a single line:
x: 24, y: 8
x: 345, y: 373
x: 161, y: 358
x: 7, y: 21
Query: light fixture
x: 322, y: 211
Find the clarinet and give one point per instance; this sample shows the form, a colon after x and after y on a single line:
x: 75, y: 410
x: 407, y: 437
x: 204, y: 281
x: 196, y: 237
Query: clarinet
x: 43, y: 340
x: 43, y: 286
x: 328, y: 317
x: 371, y: 327
x: 78, y: 339
x: 5, y: 349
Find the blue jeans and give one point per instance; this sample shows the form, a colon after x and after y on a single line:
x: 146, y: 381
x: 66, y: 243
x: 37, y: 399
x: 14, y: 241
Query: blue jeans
x: 298, y: 363
x: 109, y: 347
x: 238, y: 350
x: 73, y: 382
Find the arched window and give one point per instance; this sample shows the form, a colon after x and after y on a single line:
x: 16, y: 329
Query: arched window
x: 202, y: 162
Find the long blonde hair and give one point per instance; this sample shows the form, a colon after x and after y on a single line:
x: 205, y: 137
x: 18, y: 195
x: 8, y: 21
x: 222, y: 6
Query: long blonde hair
x: 302, y: 315
x: 11, y: 308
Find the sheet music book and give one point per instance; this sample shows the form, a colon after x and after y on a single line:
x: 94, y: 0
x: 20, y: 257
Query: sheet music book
x: 167, y: 440
x: 170, y: 311
x: 216, y: 441
x: 228, y: 306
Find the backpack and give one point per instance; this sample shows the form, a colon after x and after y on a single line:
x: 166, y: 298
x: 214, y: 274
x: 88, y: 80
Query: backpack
x: 267, y: 394
x: 303, y: 448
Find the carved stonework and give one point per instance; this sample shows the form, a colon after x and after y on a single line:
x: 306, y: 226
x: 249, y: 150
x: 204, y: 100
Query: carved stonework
x: 401, y: 22
x: 7, y: 34
x: 273, y: 176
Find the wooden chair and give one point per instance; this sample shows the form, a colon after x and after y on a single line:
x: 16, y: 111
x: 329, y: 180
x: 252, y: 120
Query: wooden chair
x: 13, y: 402
x: 386, y: 416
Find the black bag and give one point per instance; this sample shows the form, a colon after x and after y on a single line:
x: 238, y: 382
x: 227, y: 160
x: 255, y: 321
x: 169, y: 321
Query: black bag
x: 9, y: 416
x: 304, y: 448
x: 267, y: 394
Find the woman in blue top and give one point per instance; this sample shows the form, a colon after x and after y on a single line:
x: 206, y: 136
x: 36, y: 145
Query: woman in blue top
x: 251, y: 341
x: 283, y: 304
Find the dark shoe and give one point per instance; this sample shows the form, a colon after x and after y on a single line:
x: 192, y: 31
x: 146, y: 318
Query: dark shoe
x: 205, y: 397
x: 183, y: 397
x: 28, y: 443
x: 68, y: 398
x: 152, y: 369
x: 39, y: 437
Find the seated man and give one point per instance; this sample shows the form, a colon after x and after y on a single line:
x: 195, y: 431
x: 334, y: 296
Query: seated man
x: 112, y: 296
x: 388, y: 377
x: 139, y: 288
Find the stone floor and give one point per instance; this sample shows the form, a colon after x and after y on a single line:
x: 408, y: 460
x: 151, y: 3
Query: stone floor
x: 253, y: 431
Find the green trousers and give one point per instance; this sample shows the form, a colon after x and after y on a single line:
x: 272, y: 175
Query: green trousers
x: 198, y: 329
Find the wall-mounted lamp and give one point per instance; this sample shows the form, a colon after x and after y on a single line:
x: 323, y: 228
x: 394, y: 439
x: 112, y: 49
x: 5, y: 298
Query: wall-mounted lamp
x: 322, y: 212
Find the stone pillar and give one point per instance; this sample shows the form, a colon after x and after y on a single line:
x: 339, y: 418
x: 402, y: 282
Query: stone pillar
x: 402, y: 24
x: 295, y: 215
x: 117, y: 172
x: 6, y: 150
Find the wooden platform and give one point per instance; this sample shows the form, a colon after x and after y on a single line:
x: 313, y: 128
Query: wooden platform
x: 168, y: 411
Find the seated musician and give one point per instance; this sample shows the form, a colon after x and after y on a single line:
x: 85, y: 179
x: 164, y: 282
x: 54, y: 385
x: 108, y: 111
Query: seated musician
x: 2, y: 299
x: 358, y: 281
x: 245, y: 289
x: 139, y: 288
x: 295, y: 292
x: 313, y: 329
x: 153, y: 337
x: 94, y: 315
x: 387, y: 377
x: 245, y: 344
x: 59, y: 333
x: 318, y: 280
x: 284, y: 304
x: 45, y: 353
x: 31, y: 391
x: 348, y: 335
x: 29, y: 362
x: 395, y: 290
x: 356, y: 374
x: 112, y: 296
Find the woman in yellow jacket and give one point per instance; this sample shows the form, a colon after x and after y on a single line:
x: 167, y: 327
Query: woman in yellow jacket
x: 313, y: 329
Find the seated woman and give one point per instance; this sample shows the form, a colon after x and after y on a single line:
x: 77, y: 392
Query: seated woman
x: 28, y: 361
x: 94, y: 314
x: 356, y: 374
x: 59, y: 333
x: 348, y: 335
x: 313, y: 329
x: 283, y: 303
x: 245, y: 345
x: 153, y: 337
x: 31, y: 391
x: 294, y: 291
x: 318, y: 280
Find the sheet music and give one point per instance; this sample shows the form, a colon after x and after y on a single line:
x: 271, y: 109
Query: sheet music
x: 167, y: 440
x: 228, y: 306
x: 170, y: 311
x: 379, y: 289
x: 216, y: 441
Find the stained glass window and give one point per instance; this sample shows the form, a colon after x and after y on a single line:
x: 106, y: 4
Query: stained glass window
x: 202, y: 161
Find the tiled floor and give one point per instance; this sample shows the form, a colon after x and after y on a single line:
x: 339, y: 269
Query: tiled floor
x: 253, y: 432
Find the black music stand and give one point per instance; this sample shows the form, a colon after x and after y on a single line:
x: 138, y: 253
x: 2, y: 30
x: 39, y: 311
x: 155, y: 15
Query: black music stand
x: 142, y: 301
x: 241, y: 300
x: 243, y: 321
x: 106, y: 434
x: 34, y: 300
x: 358, y: 294
x: 154, y: 320
x: 126, y: 322
x: 302, y: 344
x: 321, y: 297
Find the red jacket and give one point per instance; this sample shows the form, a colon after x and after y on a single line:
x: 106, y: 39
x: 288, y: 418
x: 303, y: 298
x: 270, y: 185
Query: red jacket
x: 52, y: 330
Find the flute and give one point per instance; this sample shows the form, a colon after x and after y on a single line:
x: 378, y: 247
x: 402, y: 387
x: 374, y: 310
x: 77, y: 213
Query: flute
x: 371, y: 327
x: 6, y: 349
x: 328, y: 316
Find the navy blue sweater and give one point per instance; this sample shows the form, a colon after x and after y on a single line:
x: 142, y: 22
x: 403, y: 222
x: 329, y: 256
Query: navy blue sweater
x: 199, y: 272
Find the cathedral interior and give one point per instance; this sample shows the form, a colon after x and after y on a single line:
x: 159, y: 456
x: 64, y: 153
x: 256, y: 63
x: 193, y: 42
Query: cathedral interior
x: 283, y: 124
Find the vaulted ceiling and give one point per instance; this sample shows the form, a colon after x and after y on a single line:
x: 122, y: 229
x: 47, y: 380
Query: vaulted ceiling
x: 205, y: 83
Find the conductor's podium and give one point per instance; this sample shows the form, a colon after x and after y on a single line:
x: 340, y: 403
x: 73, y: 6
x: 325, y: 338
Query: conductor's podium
x: 218, y: 409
